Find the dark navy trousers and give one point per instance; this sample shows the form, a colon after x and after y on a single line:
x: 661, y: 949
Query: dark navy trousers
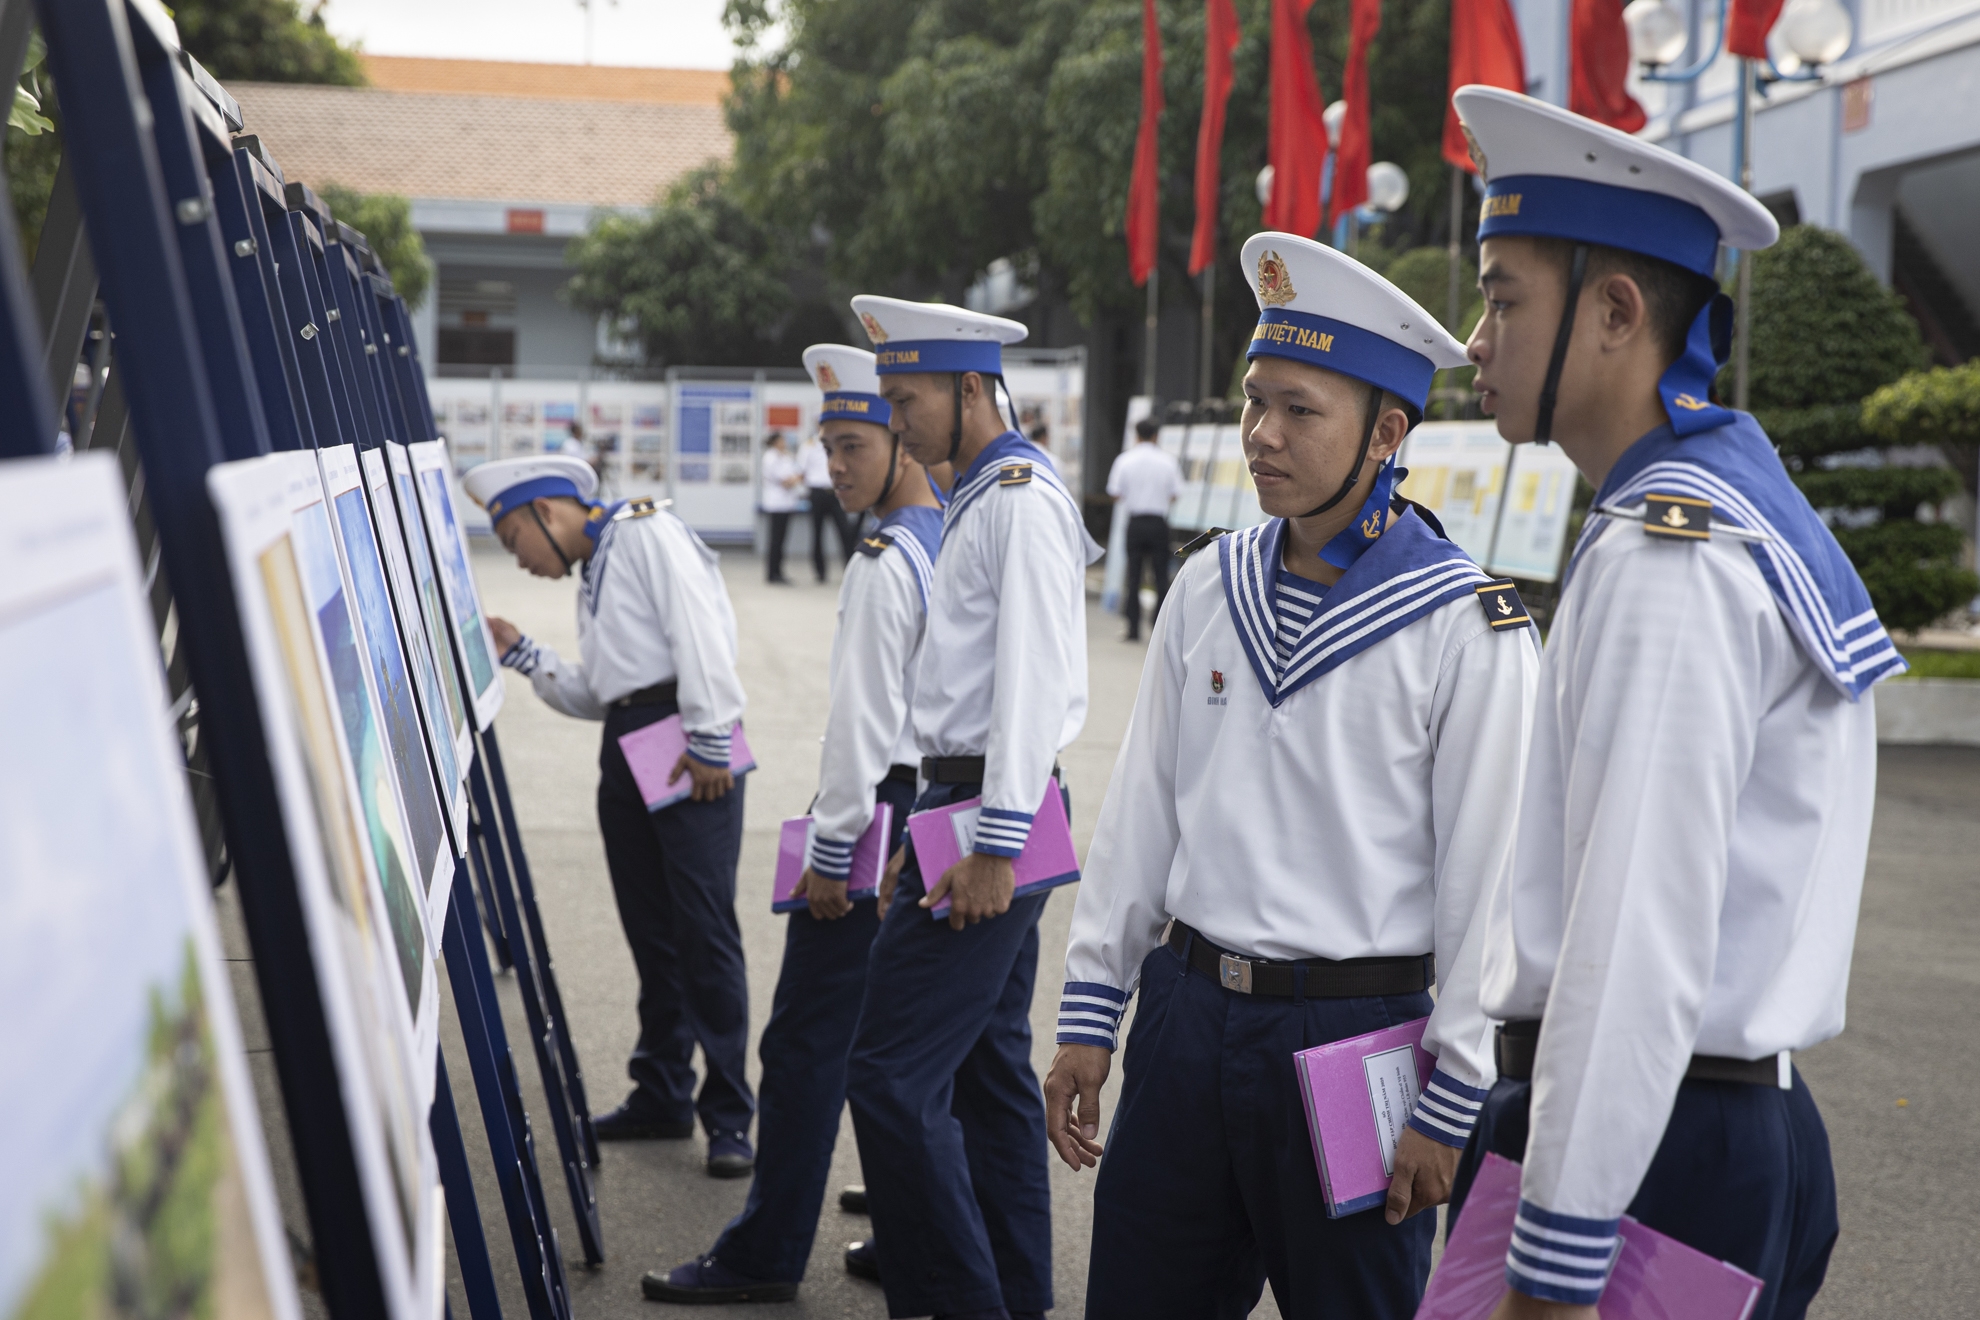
x: 674, y: 876
x: 947, y: 1109
x: 1742, y: 1174
x: 803, y: 1087
x: 1208, y: 1186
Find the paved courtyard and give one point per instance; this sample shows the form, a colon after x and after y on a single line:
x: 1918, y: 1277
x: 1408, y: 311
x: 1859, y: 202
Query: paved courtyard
x: 1901, y: 1089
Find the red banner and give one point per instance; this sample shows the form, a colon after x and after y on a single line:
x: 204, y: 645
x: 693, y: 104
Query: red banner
x: 1144, y: 210
x: 1748, y: 24
x: 1485, y: 49
x: 1354, y: 153
x: 1220, y: 39
x: 1296, y: 142
x: 1600, y: 60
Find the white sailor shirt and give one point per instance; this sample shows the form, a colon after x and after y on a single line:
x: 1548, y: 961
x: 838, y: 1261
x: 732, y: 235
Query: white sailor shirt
x: 1351, y: 801
x: 651, y: 608
x: 1003, y: 666
x: 883, y: 611
x: 1693, y: 831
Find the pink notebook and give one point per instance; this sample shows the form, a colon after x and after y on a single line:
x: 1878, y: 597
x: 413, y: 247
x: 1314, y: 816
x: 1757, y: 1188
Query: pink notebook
x: 869, y: 858
x: 653, y: 751
x: 943, y: 834
x: 1655, y: 1278
x: 1359, y: 1093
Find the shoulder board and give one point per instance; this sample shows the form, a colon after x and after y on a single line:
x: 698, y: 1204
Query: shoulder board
x: 1014, y: 474
x: 1503, y: 608
x: 642, y: 507
x: 1189, y: 548
x: 1677, y: 517
x: 873, y: 546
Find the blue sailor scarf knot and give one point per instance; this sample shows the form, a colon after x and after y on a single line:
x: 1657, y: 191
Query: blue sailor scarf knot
x: 1405, y: 574
x: 1813, y: 582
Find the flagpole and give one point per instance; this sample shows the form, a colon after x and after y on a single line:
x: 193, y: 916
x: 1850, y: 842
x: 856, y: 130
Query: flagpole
x: 1148, y: 336
x: 1743, y: 175
x: 1457, y: 250
x: 1205, y: 358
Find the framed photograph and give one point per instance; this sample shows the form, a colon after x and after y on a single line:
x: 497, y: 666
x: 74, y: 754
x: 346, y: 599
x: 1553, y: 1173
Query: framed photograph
x: 475, y: 647
x: 374, y: 969
x: 433, y: 606
x: 136, y: 1164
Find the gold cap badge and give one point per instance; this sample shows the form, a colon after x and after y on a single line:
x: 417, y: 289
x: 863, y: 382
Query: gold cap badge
x: 828, y: 379
x: 873, y: 330
x: 1275, y: 287
x: 1477, y: 152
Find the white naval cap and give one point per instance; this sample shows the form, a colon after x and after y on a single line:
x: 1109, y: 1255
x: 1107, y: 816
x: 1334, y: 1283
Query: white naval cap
x: 507, y: 484
x: 1553, y: 173
x: 850, y: 384
x: 913, y: 336
x: 1321, y: 306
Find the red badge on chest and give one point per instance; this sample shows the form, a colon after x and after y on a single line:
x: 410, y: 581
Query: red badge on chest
x: 1216, y: 680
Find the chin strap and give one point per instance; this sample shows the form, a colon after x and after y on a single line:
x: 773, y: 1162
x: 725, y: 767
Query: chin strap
x: 544, y: 528
x: 1543, y: 425
x: 1361, y: 457
x: 955, y: 436
x: 893, y: 462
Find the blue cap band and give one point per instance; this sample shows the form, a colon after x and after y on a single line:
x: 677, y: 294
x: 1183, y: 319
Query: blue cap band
x: 538, y: 488
x: 1347, y: 349
x: 1548, y: 206
x: 846, y: 405
x: 912, y: 355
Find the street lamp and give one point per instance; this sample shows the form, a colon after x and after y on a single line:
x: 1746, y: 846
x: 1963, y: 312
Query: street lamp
x: 1388, y: 187
x: 1656, y: 32
x: 1814, y: 32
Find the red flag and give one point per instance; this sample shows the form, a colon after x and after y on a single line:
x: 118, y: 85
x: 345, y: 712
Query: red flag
x: 1144, y: 210
x: 1296, y: 142
x: 1748, y: 25
x: 1354, y: 153
x: 1220, y: 39
x: 1600, y: 60
x: 1485, y: 49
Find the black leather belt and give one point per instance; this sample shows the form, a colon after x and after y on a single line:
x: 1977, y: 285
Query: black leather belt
x: 660, y: 694
x: 1312, y: 978
x: 1518, y: 1041
x: 900, y: 774
x: 958, y: 769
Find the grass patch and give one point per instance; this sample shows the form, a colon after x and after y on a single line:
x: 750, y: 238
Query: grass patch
x: 1927, y: 663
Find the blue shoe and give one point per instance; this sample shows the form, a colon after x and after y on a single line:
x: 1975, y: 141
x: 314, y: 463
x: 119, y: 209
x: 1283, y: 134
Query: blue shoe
x: 629, y: 1123
x: 730, y: 1155
x: 707, y: 1280
x: 862, y: 1260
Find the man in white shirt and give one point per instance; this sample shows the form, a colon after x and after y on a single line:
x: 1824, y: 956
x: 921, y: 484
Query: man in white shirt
x: 779, y: 500
x: 1318, y: 782
x: 826, y: 510
x: 1146, y: 480
x: 1681, y: 903
x: 657, y: 638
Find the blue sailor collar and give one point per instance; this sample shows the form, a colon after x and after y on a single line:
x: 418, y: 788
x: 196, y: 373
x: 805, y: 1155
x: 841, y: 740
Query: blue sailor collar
x: 1408, y: 572
x: 1817, y: 588
x: 604, y: 517
x: 917, y: 534
x: 601, y: 517
x: 1003, y: 456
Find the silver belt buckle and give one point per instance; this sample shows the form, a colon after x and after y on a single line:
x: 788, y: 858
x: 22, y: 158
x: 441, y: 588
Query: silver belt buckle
x: 1234, y: 973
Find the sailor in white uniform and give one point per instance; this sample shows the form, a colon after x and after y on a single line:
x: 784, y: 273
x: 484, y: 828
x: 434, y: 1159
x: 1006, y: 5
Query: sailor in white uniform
x: 869, y: 758
x: 656, y: 637
x: 945, y: 1103
x: 1680, y: 908
x: 1317, y: 783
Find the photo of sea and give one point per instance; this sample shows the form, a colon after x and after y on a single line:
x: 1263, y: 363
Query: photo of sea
x: 419, y: 650
x: 453, y: 562
x: 429, y: 594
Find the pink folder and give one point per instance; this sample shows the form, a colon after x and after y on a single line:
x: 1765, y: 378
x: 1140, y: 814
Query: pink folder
x: 1048, y: 860
x: 869, y: 858
x: 1359, y: 1093
x: 653, y: 751
x: 1655, y: 1277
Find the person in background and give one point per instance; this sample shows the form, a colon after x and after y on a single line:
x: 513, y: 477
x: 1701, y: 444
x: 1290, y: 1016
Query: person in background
x: 1146, y: 479
x: 779, y: 500
x: 657, y: 638
x: 816, y: 466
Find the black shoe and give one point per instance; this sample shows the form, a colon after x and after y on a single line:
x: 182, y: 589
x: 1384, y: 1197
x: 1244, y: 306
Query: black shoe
x: 852, y: 1199
x: 861, y: 1260
x: 706, y: 1280
x: 626, y: 1124
x: 729, y: 1155
x: 1131, y: 637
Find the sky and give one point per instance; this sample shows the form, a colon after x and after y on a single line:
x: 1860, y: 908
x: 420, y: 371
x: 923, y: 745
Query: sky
x: 674, y: 34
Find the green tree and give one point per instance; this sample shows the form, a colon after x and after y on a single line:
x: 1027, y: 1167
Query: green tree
x: 385, y: 220
x: 33, y: 148
x: 1825, y: 335
x: 265, y: 41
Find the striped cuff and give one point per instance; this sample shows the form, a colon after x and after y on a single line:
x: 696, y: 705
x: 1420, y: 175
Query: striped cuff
x: 710, y: 748
x: 1561, y: 1258
x: 523, y: 657
x: 1090, y: 1013
x: 831, y: 859
x: 1447, y: 1110
x: 1001, y: 833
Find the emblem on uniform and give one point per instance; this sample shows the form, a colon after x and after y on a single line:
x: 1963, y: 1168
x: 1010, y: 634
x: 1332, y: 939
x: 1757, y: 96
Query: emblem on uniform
x: 1677, y: 517
x: 1275, y: 287
x: 1216, y: 680
x: 1371, y: 526
x: 873, y: 330
x: 1690, y: 404
x: 1014, y: 474
x: 828, y: 379
x: 871, y: 546
x: 1504, y: 610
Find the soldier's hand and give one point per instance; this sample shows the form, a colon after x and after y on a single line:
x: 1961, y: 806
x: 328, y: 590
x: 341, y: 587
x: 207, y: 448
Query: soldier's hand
x: 1424, y: 1170
x: 710, y: 781
x: 978, y: 886
x: 826, y: 898
x: 506, y: 634
x: 1072, y: 1103
x: 890, y: 878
